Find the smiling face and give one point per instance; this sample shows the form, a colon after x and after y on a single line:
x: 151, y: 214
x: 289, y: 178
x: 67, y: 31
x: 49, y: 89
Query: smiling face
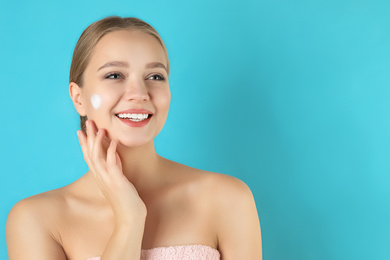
x: 126, y: 88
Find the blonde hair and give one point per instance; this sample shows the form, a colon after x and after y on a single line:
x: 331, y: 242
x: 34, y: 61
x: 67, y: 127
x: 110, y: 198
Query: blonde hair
x: 92, y: 35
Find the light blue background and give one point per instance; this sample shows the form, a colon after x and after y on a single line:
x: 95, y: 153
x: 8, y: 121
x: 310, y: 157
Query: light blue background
x: 290, y: 96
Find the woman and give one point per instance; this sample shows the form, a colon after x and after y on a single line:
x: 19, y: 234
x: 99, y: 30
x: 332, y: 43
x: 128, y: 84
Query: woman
x: 132, y: 203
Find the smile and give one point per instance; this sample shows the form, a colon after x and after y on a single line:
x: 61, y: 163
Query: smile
x: 133, y: 117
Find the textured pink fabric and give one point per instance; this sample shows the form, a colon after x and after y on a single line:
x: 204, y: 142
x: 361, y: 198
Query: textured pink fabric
x: 189, y: 252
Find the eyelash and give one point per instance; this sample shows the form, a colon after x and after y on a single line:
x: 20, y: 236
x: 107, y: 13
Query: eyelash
x: 161, y: 78
x: 116, y: 75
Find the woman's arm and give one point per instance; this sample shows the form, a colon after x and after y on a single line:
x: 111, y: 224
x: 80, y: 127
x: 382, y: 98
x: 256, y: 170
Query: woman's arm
x: 238, y: 225
x: 125, y: 241
x: 128, y: 208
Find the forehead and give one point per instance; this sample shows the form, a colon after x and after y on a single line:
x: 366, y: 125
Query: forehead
x: 132, y: 46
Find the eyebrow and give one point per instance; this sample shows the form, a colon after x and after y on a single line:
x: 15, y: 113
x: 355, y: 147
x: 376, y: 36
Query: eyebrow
x: 121, y: 64
x: 156, y: 65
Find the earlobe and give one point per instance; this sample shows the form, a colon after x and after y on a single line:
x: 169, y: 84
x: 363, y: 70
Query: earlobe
x: 75, y: 93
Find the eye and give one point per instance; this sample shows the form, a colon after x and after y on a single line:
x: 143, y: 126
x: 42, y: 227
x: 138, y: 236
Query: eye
x: 156, y: 77
x: 113, y: 75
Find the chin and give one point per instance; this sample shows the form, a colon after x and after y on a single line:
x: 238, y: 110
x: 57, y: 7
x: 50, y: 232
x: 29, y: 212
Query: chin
x: 134, y: 142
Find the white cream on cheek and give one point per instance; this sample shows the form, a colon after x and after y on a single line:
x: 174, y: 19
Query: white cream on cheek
x: 96, y: 101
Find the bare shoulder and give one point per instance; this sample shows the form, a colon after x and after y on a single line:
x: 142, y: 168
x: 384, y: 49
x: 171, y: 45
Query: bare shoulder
x: 228, y: 186
x: 30, y: 227
x: 228, y: 194
x: 234, y: 214
x: 50, y: 204
x: 218, y: 188
x: 38, y: 205
x: 221, y: 184
x: 36, y: 211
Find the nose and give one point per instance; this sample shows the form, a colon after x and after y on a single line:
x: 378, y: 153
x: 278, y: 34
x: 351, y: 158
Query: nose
x: 136, y: 90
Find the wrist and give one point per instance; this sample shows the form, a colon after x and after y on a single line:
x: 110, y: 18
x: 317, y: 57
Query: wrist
x: 130, y: 219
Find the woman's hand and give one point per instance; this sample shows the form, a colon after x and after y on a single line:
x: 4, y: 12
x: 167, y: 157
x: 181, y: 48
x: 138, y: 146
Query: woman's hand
x: 107, y: 169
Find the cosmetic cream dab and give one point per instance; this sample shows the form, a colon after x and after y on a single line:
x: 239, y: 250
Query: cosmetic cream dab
x: 96, y: 101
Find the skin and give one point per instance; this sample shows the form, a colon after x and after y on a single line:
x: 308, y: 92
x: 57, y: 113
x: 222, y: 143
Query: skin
x: 131, y: 198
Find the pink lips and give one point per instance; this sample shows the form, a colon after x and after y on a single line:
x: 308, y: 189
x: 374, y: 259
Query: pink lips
x: 135, y: 111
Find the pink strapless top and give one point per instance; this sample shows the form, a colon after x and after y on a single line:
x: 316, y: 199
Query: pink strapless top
x: 188, y: 252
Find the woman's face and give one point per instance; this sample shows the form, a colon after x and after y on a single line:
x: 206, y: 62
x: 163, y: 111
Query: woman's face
x: 126, y: 88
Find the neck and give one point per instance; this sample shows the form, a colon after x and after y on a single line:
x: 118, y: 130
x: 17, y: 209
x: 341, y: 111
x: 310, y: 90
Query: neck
x: 141, y: 165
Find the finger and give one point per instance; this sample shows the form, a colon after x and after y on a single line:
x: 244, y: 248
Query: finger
x: 111, y: 154
x: 98, y: 155
x: 91, y: 133
x: 113, y: 161
x: 84, y: 146
x: 118, y: 161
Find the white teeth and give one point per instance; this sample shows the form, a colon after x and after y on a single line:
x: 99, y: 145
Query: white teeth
x: 133, y: 117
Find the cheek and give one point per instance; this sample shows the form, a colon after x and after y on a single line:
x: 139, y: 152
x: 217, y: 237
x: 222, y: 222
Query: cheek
x: 96, y: 101
x: 165, y: 99
x: 161, y: 97
x: 101, y: 102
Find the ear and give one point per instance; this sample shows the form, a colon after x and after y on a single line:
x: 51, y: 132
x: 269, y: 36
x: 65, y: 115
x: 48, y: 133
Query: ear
x: 75, y: 93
